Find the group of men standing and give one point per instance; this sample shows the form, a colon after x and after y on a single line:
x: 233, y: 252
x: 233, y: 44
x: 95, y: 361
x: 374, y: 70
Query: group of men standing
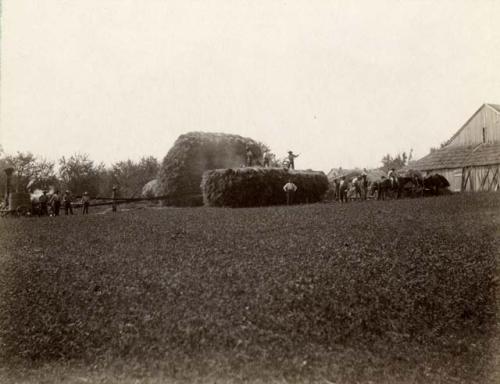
x: 359, y: 183
x: 55, y: 201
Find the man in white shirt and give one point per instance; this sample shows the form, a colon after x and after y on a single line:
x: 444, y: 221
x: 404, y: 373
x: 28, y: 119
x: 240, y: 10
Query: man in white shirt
x: 55, y: 202
x: 289, y: 189
x: 364, y: 181
x: 67, y: 203
x: 357, y: 188
x: 392, y: 176
x: 343, y: 189
x: 86, y: 203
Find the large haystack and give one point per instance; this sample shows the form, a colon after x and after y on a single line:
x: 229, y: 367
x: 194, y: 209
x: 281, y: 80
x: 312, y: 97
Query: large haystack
x: 250, y: 187
x: 194, y: 153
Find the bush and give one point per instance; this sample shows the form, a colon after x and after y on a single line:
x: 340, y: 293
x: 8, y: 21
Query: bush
x: 194, y: 153
x: 250, y: 187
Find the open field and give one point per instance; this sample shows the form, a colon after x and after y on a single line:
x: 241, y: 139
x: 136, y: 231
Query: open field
x: 397, y: 291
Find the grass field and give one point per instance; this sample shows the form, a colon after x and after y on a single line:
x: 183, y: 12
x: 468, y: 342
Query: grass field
x: 397, y: 291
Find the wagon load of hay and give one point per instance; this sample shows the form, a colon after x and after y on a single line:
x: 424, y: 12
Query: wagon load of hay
x: 194, y: 153
x: 250, y: 187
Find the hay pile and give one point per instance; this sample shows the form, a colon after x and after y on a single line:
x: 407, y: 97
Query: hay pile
x: 151, y: 189
x: 255, y: 186
x: 194, y: 153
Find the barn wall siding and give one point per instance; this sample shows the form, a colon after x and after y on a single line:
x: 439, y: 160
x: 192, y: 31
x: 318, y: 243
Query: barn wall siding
x: 454, y: 177
x: 472, y: 133
x: 476, y: 179
x: 485, y: 178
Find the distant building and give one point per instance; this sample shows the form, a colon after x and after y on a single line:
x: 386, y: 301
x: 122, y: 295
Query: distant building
x: 470, y: 159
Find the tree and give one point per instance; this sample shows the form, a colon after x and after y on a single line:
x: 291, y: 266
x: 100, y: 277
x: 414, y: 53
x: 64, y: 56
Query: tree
x: 434, y: 149
x: 31, y: 172
x: 130, y: 176
x: 397, y: 162
x: 3, y: 166
x: 79, y: 174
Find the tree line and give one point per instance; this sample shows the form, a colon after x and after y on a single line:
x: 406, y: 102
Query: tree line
x: 77, y: 173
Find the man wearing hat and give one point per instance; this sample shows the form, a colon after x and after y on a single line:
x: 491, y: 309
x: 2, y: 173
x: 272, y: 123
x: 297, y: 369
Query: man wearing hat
x: 392, y: 176
x: 364, y: 182
x: 68, y: 209
x: 267, y: 158
x: 291, y: 157
x: 249, y: 155
x: 43, y: 200
x: 290, y: 189
x: 113, y: 196
x: 86, y: 203
x: 55, y: 201
x: 343, y: 187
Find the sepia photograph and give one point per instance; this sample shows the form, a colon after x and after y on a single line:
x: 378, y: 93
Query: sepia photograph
x: 237, y: 191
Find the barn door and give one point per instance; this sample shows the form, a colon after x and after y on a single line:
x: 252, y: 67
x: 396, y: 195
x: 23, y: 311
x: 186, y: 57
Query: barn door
x: 466, y: 178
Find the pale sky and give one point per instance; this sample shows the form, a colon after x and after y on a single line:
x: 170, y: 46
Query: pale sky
x: 340, y: 82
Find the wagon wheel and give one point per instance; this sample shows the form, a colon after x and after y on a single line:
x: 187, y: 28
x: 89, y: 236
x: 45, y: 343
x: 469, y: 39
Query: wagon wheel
x: 22, y: 211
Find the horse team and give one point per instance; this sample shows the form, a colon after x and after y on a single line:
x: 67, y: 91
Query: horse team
x: 347, y: 188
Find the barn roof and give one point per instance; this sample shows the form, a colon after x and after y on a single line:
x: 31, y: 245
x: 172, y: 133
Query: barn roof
x: 458, y: 157
x: 446, y: 157
x: 495, y: 106
x: 484, y: 154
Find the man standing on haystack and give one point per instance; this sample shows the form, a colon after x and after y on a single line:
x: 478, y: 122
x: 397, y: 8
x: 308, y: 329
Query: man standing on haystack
x: 291, y: 161
x: 267, y: 158
x: 249, y: 157
x: 289, y: 189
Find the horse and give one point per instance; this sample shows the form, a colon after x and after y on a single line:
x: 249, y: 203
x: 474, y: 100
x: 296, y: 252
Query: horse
x: 381, y: 187
x: 434, y: 182
x: 397, y: 186
x: 412, y: 185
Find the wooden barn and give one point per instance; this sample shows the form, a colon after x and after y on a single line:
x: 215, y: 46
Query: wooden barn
x: 470, y: 160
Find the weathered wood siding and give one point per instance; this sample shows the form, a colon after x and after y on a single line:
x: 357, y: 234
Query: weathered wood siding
x: 472, y: 132
x: 485, y: 178
x: 454, y: 177
x: 471, y: 179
